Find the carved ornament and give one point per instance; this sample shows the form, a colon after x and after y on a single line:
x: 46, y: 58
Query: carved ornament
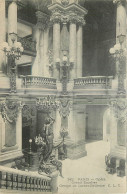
x: 64, y: 107
x: 119, y: 108
x: 10, y: 110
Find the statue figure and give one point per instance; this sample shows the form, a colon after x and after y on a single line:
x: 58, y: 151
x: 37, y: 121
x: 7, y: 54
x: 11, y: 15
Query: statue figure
x: 48, y: 162
x: 48, y: 130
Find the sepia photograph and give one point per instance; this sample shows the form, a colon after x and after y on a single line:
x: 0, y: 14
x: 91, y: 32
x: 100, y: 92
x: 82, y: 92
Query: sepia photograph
x: 63, y: 96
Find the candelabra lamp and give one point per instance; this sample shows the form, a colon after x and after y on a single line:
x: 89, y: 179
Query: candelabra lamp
x: 13, y: 53
x: 119, y: 54
x: 30, y: 141
x: 65, y: 65
x: 47, y: 103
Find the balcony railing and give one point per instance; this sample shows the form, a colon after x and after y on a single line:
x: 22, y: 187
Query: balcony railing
x: 27, y: 44
x: 93, y: 82
x: 13, y: 179
x: 38, y: 82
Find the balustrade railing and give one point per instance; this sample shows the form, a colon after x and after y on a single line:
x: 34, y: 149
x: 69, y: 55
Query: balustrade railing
x: 38, y: 82
x: 13, y: 179
x: 91, y: 82
x: 27, y: 43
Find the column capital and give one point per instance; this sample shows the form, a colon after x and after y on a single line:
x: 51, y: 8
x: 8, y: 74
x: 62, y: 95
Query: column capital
x: 118, y: 2
x: 42, y: 20
x: 13, y: 1
x: 55, y: 18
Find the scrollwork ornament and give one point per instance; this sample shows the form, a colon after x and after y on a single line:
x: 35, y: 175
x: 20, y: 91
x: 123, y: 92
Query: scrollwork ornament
x: 119, y: 108
x: 55, y: 18
x: 9, y: 111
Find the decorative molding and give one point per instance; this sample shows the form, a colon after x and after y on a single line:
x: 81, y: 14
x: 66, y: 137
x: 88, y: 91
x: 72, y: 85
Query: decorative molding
x: 72, y: 13
x: 119, y: 108
x: 42, y: 20
x: 26, y: 115
x: 121, y: 75
x: 10, y: 110
x: 64, y: 108
x: 65, y: 2
x: 12, y: 73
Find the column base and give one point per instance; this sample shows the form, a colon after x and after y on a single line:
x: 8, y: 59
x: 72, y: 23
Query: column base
x: 8, y: 157
x: 118, y: 152
x: 54, y: 184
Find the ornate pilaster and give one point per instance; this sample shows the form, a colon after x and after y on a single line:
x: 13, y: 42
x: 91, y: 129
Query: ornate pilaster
x: 119, y: 108
x: 121, y: 74
x: 64, y: 110
x: 11, y: 111
x: 2, y: 34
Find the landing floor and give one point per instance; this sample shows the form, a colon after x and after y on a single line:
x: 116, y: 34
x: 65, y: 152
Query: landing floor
x: 88, y: 174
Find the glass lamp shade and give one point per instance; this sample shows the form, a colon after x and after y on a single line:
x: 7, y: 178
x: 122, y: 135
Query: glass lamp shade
x: 121, y: 38
x: 58, y: 60
x: 13, y: 36
x: 117, y: 47
x: 64, y: 58
x: 71, y: 60
x: 112, y: 50
x: 4, y: 45
x: 21, y: 49
x: 18, y: 45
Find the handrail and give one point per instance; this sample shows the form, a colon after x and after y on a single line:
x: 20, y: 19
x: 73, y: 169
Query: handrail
x: 99, y: 81
x: 20, y: 180
x: 30, y: 81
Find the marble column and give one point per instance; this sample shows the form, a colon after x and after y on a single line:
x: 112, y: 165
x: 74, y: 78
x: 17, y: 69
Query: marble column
x: 56, y: 47
x: 118, y: 128
x: 120, y: 18
x: 42, y: 52
x: 19, y: 130
x: 12, y: 21
x: 73, y: 49
x: 46, y: 63
x: 2, y: 34
x: 79, y: 51
x: 120, y: 30
x: 36, y: 70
